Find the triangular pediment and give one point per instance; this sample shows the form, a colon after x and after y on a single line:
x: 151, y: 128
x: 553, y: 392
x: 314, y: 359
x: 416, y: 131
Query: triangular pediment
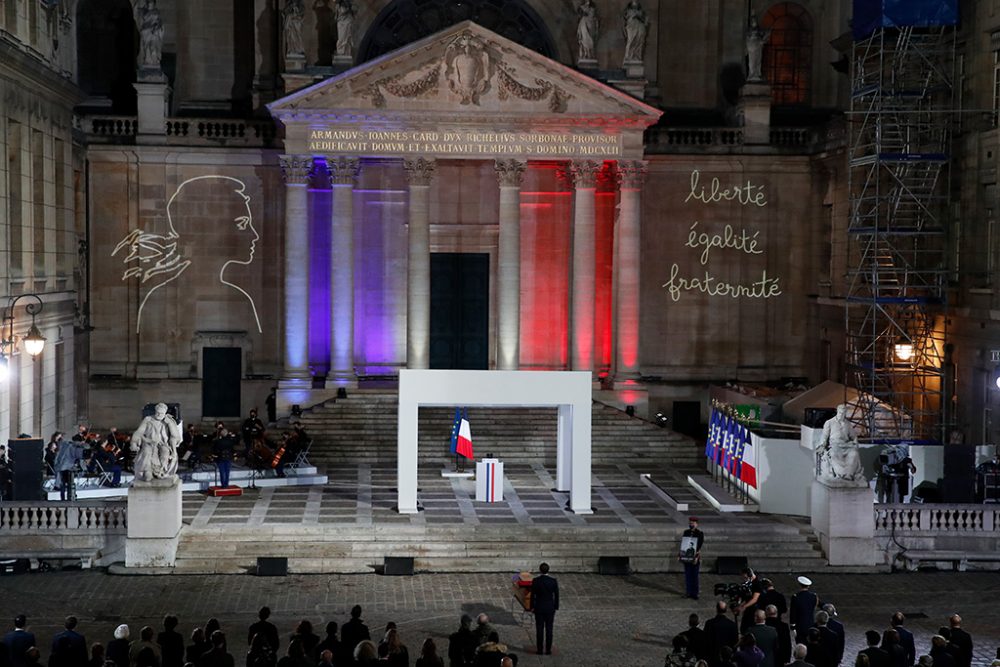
x: 465, y: 73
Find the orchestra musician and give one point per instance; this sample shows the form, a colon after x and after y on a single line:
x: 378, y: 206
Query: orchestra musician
x: 253, y: 428
x: 222, y: 450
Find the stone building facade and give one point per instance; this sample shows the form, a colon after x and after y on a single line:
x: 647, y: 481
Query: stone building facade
x: 216, y: 234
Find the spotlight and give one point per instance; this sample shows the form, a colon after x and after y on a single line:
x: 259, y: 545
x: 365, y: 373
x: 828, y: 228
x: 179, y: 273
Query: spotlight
x: 341, y: 392
x: 630, y: 410
x: 660, y: 419
x: 296, y: 410
x: 903, y: 350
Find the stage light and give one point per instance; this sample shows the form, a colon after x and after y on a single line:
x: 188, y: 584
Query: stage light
x: 660, y: 420
x: 341, y: 392
x: 630, y: 410
x: 296, y: 410
x: 903, y: 350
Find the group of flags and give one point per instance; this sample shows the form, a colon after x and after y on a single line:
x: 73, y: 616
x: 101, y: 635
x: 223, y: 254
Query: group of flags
x: 461, y: 434
x: 730, y: 445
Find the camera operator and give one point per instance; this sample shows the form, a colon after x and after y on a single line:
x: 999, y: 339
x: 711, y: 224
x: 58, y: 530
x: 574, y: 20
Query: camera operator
x: 752, y: 592
x: 894, y: 469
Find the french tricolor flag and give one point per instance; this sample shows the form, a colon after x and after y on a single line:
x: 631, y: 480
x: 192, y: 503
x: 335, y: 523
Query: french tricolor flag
x: 748, y: 470
x: 463, y: 444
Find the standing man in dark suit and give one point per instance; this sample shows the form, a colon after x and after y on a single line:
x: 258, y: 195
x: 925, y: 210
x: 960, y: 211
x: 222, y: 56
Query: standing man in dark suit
x: 719, y: 632
x: 876, y: 656
x: 784, y: 651
x: 18, y: 641
x: 961, y: 639
x: 905, y: 637
x: 74, y: 648
x: 545, y: 603
x: 771, y: 596
x: 692, y: 562
x: 838, y: 629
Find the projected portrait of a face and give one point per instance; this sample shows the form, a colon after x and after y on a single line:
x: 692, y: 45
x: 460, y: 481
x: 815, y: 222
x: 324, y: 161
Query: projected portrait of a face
x: 209, y: 227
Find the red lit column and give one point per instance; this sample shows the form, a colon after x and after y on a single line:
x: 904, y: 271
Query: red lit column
x: 584, y: 174
x: 419, y: 174
x: 343, y: 173
x: 631, y: 174
x: 509, y: 173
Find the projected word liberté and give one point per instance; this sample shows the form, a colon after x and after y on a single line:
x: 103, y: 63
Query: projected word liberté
x: 730, y: 238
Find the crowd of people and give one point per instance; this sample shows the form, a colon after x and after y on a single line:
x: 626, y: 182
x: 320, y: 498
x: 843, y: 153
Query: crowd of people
x: 752, y: 631
x: 475, y: 644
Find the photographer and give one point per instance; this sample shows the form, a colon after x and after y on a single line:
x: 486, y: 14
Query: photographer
x: 753, y: 591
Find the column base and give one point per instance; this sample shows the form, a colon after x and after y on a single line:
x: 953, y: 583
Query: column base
x: 338, y: 379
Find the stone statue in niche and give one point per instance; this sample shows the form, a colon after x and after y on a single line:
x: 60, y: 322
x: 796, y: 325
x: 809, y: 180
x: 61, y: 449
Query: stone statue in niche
x: 291, y: 23
x: 156, y: 440
x: 756, y: 39
x: 838, y: 456
x: 586, y: 29
x: 345, y: 27
x: 150, y: 35
x: 636, y: 27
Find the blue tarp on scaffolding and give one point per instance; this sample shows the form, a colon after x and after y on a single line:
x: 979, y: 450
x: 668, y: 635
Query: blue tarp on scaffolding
x: 870, y: 15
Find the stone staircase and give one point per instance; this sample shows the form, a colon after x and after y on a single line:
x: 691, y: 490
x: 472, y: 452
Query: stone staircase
x: 362, y: 429
x: 771, y: 548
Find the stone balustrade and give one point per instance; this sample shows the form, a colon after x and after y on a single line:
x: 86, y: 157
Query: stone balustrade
x: 39, y: 518
x: 183, y: 131
x: 725, y: 139
x: 970, y: 520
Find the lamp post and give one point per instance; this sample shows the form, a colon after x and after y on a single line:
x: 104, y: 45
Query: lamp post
x: 34, y: 341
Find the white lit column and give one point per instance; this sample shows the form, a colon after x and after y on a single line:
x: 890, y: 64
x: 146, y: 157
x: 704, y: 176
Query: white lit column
x: 343, y: 174
x: 419, y: 174
x: 296, y: 169
x: 584, y: 174
x: 509, y: 173
x: 631, y: 174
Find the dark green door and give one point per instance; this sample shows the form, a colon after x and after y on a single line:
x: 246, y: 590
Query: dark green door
x: 220, y: 385
x: 460, y: 299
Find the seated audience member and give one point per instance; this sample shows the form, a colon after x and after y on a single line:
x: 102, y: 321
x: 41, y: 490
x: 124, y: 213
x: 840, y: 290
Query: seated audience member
x: 118, y: 647
x: 428, y: 655
x: 366, y: 654
x: 261, y: 654
x: 747, y: 652
x: 197, y: 647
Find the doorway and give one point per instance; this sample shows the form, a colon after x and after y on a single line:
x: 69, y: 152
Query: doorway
x: 221, y: 379
x: 460, y: 300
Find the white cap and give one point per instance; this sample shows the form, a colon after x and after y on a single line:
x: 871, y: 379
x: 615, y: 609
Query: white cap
x: 121, y: 632
x: 805, y: 581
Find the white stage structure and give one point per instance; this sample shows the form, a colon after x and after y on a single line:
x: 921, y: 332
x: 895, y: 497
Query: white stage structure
x: 569, y: 391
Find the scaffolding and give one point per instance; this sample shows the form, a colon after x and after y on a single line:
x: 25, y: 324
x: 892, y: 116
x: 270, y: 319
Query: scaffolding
x: 899, y: 156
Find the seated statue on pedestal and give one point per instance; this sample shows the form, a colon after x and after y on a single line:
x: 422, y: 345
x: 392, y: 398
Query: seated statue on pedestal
x: 156, y: 440
x: 838, y: 457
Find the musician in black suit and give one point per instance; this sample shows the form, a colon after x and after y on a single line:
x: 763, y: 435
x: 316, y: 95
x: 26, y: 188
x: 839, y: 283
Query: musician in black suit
x: 544, y: 603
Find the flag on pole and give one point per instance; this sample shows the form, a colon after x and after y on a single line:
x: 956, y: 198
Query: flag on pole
x: 463, y: 444
x: 727, y: 444
x: 454, y: 430
x: 739, y: 434
x: 713, y: 423
x: 748, y: 473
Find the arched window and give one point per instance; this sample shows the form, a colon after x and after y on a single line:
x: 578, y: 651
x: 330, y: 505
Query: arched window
x: 788, y: 53
x: 405, y: 21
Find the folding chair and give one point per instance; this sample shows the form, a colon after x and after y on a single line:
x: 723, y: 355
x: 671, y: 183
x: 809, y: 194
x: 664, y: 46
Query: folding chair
x: 302, y: 458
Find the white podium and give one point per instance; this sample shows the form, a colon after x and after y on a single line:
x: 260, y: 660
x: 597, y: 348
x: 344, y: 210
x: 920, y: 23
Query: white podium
x: 489, y: 481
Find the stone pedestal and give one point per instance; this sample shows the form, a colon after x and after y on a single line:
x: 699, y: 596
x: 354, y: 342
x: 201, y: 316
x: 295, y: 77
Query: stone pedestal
x: 153, y: 100
x: 754, y: 110
x: 586, y: 64
x: 634, y: 69
x: 843, y: 518
x: 295, y: 62
x: 343, y: 61
x: 154, y: 523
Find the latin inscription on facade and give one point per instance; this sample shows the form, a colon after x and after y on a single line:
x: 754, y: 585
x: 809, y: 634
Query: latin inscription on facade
x: 464, y: 143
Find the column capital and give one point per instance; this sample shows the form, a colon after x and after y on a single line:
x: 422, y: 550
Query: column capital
x: 510, y: 173
x: 631, y: 174
x: 419, y: 171
x: 296, y: 168
x: 584, y: 173
x: 343, y: 170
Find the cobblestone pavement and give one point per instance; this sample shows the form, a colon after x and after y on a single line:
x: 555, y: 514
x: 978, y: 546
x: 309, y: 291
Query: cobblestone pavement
x: 613, y: 621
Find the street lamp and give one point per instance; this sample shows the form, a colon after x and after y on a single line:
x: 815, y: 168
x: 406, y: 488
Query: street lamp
x: 34, y: 341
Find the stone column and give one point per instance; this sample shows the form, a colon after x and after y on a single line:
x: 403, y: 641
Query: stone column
x: 296, y: 169
x: 343, y: 175
x: 584, y: 175
x: 419, y: 174
x: 631, y: 174
x: 510, y: 174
